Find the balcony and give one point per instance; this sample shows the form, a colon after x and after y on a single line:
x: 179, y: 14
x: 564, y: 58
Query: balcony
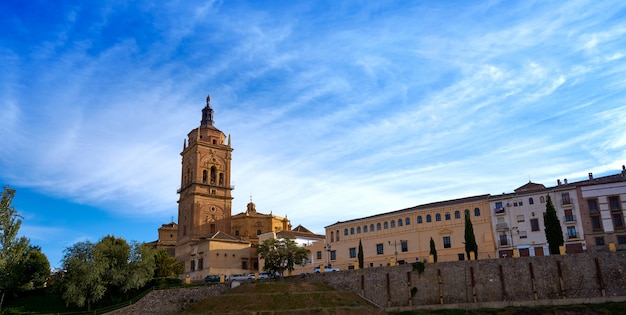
x: 566, y: 203
x: 503, y: 242
x: 498, y: 210
x: 569, y: 218
x: 502, y: 226
x: 572, y: 235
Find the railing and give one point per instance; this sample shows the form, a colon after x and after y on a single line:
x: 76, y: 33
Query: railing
x: 498, y: 210
x: 569, y: 218
x: 502, y: 226
x: 503, y: 242
x: 572, y: 235
x: 565, y: 202
x: 180, y: 188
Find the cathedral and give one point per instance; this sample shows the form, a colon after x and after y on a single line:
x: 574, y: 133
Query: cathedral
x: 208, y: 239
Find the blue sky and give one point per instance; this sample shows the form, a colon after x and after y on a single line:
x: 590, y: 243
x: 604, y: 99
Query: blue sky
x: 336, y: 109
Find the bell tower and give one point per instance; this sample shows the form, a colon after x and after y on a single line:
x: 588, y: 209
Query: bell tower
x: 204, y: 204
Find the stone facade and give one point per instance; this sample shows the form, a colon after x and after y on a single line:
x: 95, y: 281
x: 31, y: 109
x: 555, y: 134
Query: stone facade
x: 250, y: 224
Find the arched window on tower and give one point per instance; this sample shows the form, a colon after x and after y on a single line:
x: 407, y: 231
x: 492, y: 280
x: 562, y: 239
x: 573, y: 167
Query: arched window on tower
x: 204, y: 176
x: 221, y: 179
x: 213, y: 175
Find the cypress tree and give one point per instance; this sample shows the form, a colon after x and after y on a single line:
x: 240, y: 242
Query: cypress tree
x: 470, y: 238
x: 554, y: 233
x: 360, y: 255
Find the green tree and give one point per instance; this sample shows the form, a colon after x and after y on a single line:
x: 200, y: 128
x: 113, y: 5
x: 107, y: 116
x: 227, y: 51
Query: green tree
x: 166, y: 265
x: 280, y: 255
x: 433, y: 250
x: 141, y: 266
x: 360, y: 255
x: 554, y: 233
x: 112, y: 255
x: 13, y: 249
x: 35, y: 267
x: 82, y: 281
x: 470, y: 239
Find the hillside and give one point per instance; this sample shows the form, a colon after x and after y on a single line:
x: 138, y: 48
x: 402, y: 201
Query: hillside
x: 284, y: 298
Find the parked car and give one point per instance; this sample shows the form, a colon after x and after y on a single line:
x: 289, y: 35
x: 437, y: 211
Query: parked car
x: 212, y: 278
x: 238, y: 277
x: 326, y: 269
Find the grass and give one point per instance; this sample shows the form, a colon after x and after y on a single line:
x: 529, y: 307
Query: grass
x: 598, y: 309
x: 284, y: 298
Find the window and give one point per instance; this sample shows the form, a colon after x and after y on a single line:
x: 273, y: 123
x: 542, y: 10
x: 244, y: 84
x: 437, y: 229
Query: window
x: 204, y: 176
x: 515, y: 204
x: 429, y: 218
x: 393, y: 223
x: 542, y: 199
x: 569, y: 216
x: 236, y: 232
x: 419, y: 219
x: 438, y: 217
x: 345, y: 232
x: 618, y: 221
x: 534, y: 225
x: 593, y: 205
x: 337, y: 235
x: 404, y: 245
x: 503, y: 240
x: 599, y: 240
x: 386, y: 225
x: 318, y: 254
x: 333, y: 255
x: 446, y: 242
x: 476, y: 212
x: 332, y: 236
x: 407, y: 221
x: 571, y: 232
x: 596, y: 222
x: 352, y: 231
x: 621, y: 239
x: 531, y: 201
x: 461, y: 256
x: 358, y: 230
x: 352, y: 252
x: 399, y: 222
x: 378, y: 226
x: 457, y: 214
x: 521, y: 203
x: 520, y: 218
x: 200, y: 263
x: 614, y: 203
x: 372, y: 227
x: 379, y: 249
x: 522, y: 234
x: 499, y: 205
x: 193, y: 265
x: 448, y: 216
x: 365, y: 228
x: 565, y: 198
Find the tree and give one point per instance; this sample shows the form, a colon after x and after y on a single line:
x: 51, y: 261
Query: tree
x: 554, y: 233
x: 82, y: 282
x: 433, y: 250
x: 281, y: 254
x: 13, y: 249
x: 360, y: 255
x: 470, y: 239
x: 35, y: 267
x: 167, y: 266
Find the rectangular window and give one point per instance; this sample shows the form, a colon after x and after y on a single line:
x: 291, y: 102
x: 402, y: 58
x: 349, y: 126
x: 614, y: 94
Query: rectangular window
x: 599, y: 240
x: 200, y: 264
x: 596, y: 222
x: 446, y: 242
x: 565, y: 198
x: 193, y: 265
x: 405, y: 246
x: 621, y: 239
x: 618, y: 220
x: 461, y: 256
x: 569, y: 216
x: 503, y: 240
x: 522, y: 234
x: 319, y: 254
x: 333, y: 255
x: 353, y: 252
x: 379, y: 249
x: 614, y: 203
x: 534, y: 225
x: 520, y: 218
x: 593, y: 205
x: 571, y: 232
x: 521, y: 203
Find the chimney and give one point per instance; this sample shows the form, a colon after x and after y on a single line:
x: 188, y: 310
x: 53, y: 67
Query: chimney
x: 558, y: 182
x: 590, y: 176
x: 565, y: 181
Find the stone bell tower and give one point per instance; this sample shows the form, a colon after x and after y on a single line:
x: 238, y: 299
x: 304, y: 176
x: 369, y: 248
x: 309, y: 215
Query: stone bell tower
x: 204, y: 204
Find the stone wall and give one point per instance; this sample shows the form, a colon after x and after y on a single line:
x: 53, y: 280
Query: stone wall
x: 512, y: 280
x: 171, y: 301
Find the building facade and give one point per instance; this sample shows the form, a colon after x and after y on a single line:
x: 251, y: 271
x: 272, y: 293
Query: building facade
x: 250, y: 224
x: 403, y: 236
x: 313, y: 243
